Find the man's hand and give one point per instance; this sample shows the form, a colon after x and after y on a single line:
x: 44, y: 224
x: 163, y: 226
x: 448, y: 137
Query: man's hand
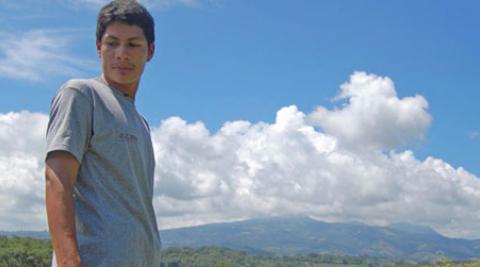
x: 61, y: 173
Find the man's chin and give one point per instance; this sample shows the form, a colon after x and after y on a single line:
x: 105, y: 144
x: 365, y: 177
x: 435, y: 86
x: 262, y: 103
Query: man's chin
x: 121, y: 79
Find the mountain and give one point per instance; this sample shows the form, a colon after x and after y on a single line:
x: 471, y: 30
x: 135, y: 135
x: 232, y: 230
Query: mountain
x: 31, y: 234
x: 287, y: 236
x: 300, y: 235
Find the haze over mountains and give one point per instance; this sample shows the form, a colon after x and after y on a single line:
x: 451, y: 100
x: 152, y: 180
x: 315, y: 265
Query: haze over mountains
x: 302, y: 235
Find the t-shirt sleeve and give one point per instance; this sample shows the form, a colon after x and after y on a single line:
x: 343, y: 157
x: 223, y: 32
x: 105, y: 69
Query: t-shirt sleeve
x: 70, y: 125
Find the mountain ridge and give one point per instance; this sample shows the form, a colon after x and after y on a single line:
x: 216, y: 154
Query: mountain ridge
x: 288, y: 236
x: 303, y: 235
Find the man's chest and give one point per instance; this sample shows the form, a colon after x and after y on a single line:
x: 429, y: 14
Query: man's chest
x: 118, y: 125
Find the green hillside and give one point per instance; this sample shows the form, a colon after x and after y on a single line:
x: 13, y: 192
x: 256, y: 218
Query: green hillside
x: 29, y: 252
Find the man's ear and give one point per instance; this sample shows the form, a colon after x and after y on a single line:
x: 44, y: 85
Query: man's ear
x: 151, y: 51
x: 98, y: 44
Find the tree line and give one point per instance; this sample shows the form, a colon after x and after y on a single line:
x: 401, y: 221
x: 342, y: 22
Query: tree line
x: 30, y: 252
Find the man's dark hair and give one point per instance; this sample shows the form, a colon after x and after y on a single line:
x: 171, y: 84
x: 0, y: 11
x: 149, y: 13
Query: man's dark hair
x: 127, y: 11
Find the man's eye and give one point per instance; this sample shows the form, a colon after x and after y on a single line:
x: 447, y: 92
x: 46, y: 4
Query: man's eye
x: 133, y: 45
x: 110, y: 43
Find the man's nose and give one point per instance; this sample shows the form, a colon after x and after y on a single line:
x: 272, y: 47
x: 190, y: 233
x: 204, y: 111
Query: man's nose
x: 122, y: 52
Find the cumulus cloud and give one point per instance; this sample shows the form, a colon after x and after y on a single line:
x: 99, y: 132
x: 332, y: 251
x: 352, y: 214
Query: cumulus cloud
x: 289, y: 167
x: 21, y: 168
x: 373, y: 115
x: 37, y: 54
x: 292, y: 166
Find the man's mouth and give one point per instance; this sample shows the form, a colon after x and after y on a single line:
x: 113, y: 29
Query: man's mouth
x: 123, y: 67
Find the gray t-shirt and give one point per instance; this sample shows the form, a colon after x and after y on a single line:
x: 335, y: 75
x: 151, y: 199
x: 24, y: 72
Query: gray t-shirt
x: 114, y: 216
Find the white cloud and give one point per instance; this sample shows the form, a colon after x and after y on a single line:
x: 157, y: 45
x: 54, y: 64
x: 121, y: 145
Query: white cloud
x: 373, y: 115
x: 38, y: 54
x: 286, y: 167
x: 21, y: 166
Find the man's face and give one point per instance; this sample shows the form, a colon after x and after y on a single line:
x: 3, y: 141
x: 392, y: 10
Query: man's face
x: 123, y: 51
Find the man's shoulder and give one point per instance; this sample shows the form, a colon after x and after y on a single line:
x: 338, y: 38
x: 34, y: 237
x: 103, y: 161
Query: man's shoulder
x: 85, y: 86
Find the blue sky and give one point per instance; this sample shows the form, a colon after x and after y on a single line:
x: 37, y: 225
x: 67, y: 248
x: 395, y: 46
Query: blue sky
x: 221, y: 61
x: 227, y: 60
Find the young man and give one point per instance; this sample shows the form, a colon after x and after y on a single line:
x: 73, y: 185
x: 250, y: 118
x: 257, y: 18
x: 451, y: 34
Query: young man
x: 100, y: 163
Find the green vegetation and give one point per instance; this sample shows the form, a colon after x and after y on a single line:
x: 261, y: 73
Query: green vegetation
x: 222, y: 257
x: 29, y: 252
x: 23, y: 251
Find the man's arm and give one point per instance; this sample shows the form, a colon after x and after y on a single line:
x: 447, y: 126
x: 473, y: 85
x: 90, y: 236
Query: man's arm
x: 61, y: 173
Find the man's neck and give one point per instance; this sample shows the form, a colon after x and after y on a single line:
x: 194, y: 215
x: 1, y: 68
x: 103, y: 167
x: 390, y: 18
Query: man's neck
x: 129, y: 90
